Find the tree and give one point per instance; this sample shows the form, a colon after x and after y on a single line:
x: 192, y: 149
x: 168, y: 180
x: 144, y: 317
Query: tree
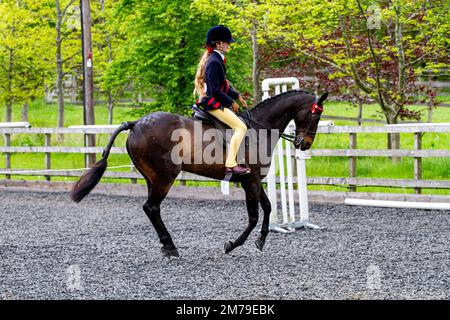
x: 379, y: 48
x: 67, y: 45
x: 107, y: 40
x: 23, y: 63
x: 163, y: 45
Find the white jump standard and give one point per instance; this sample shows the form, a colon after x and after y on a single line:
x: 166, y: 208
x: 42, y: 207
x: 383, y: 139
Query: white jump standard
x: 290, y: 220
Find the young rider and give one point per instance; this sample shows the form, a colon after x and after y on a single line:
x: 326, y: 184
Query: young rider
x: 216, y: 95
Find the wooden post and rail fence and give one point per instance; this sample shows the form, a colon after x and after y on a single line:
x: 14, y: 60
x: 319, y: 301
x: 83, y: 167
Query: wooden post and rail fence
x: 352, y: 182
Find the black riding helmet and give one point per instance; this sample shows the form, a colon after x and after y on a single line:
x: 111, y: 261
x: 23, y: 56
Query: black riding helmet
x: 218, y: 33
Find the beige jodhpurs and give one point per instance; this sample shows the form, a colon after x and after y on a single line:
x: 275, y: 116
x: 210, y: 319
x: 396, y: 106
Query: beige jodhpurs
x: 239, y: 129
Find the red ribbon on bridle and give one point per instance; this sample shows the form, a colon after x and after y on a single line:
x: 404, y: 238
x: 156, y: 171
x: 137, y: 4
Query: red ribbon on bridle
x: 315, y: 108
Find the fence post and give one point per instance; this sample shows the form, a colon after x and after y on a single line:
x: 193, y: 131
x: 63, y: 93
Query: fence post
x: 7, y: 154
x: 48, y: 142
x: 89, y: 158
x: 417, y: 160
x: 352, y: 161
x: 86, y: 159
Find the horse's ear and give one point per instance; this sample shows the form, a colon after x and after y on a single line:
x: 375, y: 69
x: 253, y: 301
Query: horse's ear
x: 322, y: 98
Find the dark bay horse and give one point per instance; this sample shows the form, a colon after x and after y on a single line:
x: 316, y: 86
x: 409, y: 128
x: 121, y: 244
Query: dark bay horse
x: 150, y: 142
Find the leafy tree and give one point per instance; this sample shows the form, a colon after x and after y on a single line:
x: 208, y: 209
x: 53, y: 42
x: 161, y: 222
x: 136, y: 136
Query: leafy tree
x: 24, y: 44
x: 107, y: 40
x: 164, y: 42
x: 66, y: 21
x: 377, y: 49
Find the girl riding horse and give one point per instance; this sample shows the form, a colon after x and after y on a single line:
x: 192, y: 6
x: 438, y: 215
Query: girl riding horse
x: 216, y: 96
x: 150, y: 144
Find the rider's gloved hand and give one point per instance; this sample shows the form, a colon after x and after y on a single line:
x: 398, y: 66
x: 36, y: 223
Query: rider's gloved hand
x: 235, y: 107
x: 242, y: 101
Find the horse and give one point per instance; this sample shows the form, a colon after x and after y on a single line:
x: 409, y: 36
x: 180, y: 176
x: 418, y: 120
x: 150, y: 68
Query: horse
x: 149, y: 142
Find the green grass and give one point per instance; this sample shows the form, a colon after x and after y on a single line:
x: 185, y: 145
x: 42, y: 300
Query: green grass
x: 45, y: 115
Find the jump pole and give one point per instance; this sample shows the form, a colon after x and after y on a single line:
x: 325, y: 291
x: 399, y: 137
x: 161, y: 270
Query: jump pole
x: 398, y: 204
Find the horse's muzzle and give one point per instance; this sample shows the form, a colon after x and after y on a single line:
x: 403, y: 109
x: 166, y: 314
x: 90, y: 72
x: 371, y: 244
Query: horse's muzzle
x: 301, y: 143
x: 305, y: 146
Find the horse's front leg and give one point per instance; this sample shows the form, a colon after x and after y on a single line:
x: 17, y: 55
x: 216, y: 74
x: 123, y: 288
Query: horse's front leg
x: 267, y: 208
x: 252, y: 196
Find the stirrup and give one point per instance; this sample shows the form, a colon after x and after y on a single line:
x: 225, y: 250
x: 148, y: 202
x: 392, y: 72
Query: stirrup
x: 241, y: 170
x: 227, y: 177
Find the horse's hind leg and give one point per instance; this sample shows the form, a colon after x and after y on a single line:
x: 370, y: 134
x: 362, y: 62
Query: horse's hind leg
x: 252, y: 195
x: 267, y: 208
x: 158, y: 189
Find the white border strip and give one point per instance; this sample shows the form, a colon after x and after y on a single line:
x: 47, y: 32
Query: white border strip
x: 398, y: 204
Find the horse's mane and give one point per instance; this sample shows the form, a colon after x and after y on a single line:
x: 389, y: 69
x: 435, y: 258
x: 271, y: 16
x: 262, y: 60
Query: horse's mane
x: 280, y: 96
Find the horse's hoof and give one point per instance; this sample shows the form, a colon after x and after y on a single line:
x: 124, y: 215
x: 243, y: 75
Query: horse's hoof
x: 259, y: 244
x: 170, y: 252
x: 228, y: 246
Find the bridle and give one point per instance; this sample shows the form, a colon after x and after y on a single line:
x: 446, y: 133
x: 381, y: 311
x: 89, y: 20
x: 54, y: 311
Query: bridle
x: 298, y: 138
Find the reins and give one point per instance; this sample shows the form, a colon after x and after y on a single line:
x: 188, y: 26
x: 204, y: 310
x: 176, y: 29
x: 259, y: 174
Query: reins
x: 288, y: 137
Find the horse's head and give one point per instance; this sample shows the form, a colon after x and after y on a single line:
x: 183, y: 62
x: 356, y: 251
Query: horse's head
x: 306, y: 126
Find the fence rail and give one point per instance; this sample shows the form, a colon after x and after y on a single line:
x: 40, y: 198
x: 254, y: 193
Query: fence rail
x: 352, y: 181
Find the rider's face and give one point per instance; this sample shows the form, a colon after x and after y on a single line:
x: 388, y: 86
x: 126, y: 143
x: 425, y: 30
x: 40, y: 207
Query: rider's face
x: 223, y: 46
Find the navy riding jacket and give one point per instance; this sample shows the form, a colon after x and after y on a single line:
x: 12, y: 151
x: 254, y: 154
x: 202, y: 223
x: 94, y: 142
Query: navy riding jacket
x: 219, y: 93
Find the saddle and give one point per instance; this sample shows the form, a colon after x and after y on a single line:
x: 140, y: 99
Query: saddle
x: 200, y: 115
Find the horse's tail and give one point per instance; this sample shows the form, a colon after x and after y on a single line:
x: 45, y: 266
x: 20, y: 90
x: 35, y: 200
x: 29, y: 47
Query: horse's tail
x: 92, y: 176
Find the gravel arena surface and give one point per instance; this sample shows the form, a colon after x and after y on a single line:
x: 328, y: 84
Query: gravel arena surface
x: 106, y: 248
